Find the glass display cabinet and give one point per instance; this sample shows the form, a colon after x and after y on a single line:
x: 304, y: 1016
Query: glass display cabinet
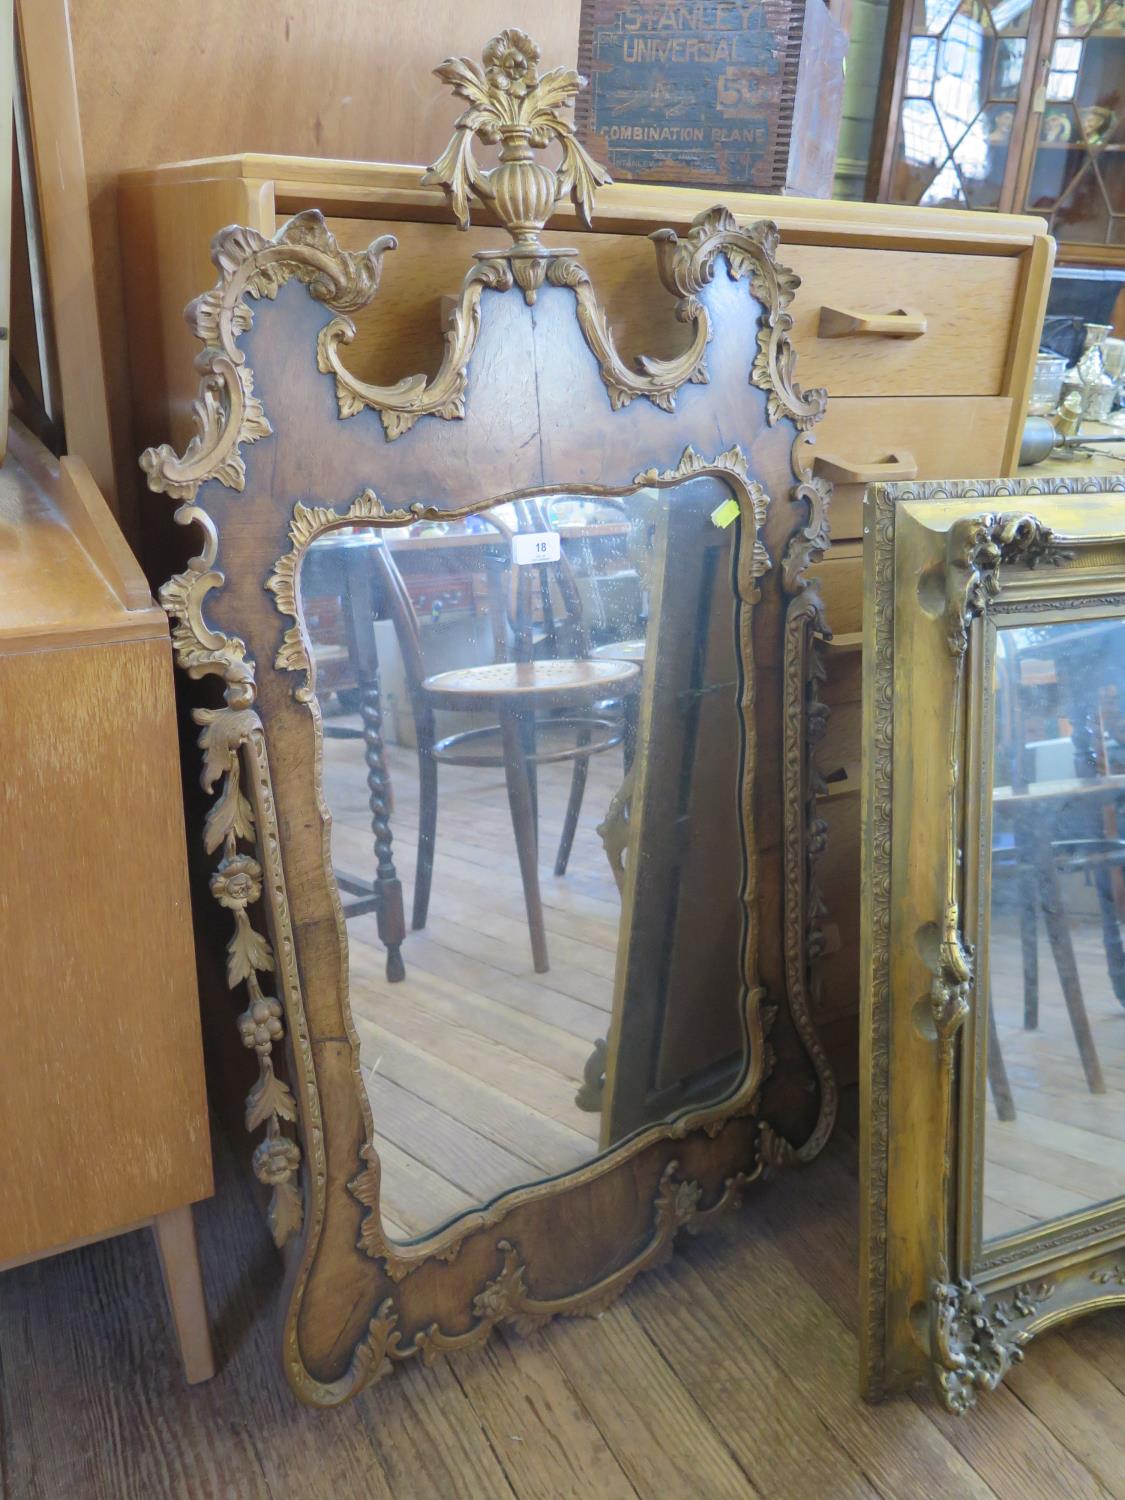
x: 1011, y: 105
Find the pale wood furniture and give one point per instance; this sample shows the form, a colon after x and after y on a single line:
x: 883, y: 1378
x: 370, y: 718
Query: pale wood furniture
x: 953, y: 398
x: 101, y: 1073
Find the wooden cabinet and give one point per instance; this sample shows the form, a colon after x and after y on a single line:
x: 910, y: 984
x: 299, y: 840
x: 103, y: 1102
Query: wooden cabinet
x: 948, y: 400
x: 1008, y: 107
x: 101, y: 1080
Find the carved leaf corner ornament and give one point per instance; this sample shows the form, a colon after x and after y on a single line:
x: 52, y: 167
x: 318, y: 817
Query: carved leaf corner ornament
x: 974, y: 1344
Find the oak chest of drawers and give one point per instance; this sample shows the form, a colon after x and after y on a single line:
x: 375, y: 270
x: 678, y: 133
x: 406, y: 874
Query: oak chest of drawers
x: 922, y: 324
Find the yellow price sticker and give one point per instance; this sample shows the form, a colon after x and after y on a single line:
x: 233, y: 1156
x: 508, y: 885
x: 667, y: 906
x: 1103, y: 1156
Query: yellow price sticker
x: 724, y: 514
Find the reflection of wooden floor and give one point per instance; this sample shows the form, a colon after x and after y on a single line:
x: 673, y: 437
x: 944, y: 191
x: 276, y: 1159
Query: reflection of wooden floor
x: 1065, y: 1150
x: 472, y: 1062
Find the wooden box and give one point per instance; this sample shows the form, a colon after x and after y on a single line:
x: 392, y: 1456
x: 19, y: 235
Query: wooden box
x: 740, y: 95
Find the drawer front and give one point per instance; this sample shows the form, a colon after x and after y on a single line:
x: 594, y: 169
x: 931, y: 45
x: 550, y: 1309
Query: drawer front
x: 969, y: 303
x: 840, y: 577
x: 948, y: 437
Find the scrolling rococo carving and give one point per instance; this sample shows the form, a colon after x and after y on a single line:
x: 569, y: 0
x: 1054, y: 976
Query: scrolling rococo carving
x: 977, y: 547
x: 507, y: 1298
x: 226, y: 412
x: 685, y: 266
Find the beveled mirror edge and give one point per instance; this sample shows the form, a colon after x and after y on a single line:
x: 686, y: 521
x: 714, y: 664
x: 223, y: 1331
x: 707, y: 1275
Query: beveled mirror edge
x: 1001, y: 1257
x: 228, y: 414
x: 295, y: 654
x: 920, y: 1308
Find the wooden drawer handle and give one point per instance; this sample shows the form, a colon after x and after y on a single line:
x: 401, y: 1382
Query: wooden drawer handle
x: 900, y: 465
x: 844, y: 323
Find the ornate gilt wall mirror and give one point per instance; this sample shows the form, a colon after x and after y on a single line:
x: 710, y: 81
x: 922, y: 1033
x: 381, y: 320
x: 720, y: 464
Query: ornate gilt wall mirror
x: 994, y: 976
x: 530, y: 638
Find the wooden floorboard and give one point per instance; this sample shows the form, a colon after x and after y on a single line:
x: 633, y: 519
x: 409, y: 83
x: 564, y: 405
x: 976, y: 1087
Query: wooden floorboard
x: 730, y: 1372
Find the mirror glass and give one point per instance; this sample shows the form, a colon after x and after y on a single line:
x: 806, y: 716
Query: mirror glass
x: 1054, y: 1135
x: 538, y: 706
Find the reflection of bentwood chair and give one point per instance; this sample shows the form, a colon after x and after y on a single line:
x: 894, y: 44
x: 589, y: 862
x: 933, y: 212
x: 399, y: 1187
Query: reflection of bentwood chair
x: 1041, y: 852
x: 517, y: 688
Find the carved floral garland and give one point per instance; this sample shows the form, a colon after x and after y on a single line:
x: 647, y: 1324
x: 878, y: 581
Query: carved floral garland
x: 237, y: 882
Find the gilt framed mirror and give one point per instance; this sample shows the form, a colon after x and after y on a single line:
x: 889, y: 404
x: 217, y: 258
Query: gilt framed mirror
x: 513, y: 817
x: 993, y: 1142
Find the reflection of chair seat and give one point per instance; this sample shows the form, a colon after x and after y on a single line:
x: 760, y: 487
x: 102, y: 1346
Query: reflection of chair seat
x: 539, y: 684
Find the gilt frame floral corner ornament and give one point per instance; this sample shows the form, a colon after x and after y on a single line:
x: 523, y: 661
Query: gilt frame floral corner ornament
x: 356, y: 1301
x: 945, y: 564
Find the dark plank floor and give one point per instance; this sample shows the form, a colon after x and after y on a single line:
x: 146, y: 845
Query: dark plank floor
x: 729, y: 1373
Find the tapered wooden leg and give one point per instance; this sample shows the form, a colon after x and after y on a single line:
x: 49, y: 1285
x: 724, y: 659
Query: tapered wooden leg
x: 574, y: 804
x: 1058, y: 931
x: 1029, y: 947
x: 523, y: 825
x: 1111, y: 931
x: 174, y: 1233
x: 997, y: 1072
x: 527, y: 732
x: 427, y: 826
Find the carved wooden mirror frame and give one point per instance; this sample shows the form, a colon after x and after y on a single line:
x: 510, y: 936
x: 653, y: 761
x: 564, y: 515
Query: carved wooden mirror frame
x: 946, y: 565
x: 272, y: 465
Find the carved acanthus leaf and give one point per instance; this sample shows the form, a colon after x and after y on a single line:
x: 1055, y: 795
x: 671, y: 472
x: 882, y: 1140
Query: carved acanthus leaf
x: 269, y: 1096
x: 968, y: 1351
x: 976, y: 549
x: 226, y: 412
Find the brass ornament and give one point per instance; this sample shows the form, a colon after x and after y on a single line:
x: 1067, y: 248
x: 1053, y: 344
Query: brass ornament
x: 513, y: 106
